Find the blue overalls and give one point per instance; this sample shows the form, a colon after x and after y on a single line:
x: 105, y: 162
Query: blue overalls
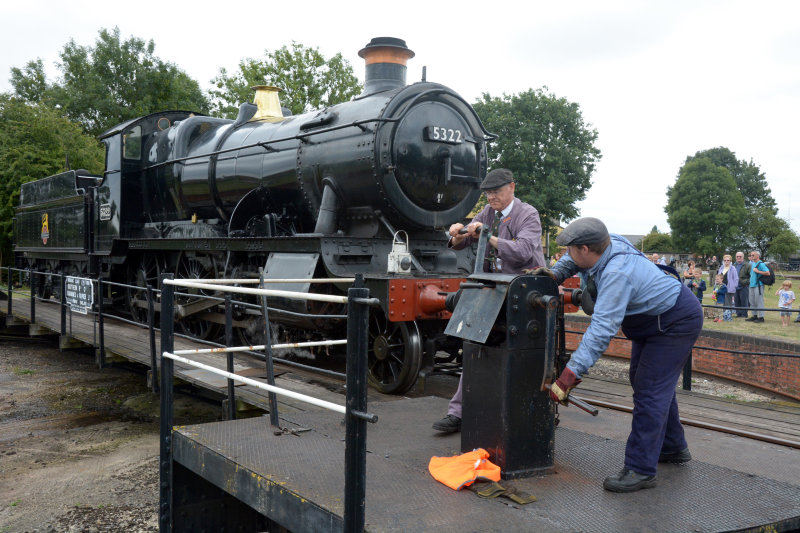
x: 660, y: 347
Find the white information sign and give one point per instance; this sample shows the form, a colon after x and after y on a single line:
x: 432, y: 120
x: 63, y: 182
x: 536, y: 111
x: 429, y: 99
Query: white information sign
x: 79, y: 294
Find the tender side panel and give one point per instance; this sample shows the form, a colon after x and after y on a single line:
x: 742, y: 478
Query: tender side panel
x: 57, y: 227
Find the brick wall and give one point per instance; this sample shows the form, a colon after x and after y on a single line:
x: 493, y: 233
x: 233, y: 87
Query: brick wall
x: 776, y: 374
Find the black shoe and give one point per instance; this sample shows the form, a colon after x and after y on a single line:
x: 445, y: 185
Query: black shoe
x: 752, y: 319
x: 682, y: 456
x: 628, y: 481
x: 759, y: 319
x: 448, y: 424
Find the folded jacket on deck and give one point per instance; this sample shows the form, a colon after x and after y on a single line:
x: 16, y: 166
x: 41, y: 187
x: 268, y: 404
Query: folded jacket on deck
x: 462, y: 470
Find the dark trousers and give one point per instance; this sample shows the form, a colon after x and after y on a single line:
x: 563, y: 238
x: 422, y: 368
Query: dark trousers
x: 660, y: 348
x: 742, y: 299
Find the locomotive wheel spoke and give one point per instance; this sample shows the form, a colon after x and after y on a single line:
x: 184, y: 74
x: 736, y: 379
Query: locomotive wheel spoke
x: 193, y: 268
x: 147, y: 272
x: 394, y: 354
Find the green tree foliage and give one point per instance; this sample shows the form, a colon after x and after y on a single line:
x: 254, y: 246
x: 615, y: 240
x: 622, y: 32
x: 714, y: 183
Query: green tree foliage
x: 35, y: 141
x: 750, y: 181
x: 307, y: 79
x: 656, y: 242
x: 545, y: 142
x: 705, y: 209
x: 769, y: 234
x: 110, y: 82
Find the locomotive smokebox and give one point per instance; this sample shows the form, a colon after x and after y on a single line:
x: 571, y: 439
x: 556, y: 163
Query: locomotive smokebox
x: 508, y: 326
x: 386, y: 59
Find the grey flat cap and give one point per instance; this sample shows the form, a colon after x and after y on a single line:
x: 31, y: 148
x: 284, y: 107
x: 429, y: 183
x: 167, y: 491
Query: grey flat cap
x: 587, y: 230
x: 496, y: 179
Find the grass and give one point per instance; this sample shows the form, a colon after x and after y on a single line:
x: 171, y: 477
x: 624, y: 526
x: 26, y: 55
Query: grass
x: 23, y: 371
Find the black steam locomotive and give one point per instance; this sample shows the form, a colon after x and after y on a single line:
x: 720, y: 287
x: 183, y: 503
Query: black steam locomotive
x: 366, y: 186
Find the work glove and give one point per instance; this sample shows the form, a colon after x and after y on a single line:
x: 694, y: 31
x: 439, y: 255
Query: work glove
x: 559, y: 391
x: 541, y: 271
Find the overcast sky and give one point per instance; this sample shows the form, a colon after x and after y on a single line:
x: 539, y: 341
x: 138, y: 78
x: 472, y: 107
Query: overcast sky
x: 658, y: 80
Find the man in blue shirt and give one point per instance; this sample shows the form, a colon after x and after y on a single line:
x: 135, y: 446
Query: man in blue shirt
x: 756, y: 294
x: 659, y: 315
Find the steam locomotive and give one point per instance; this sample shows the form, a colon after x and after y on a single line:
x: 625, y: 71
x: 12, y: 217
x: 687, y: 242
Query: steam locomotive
x: 367, y: 186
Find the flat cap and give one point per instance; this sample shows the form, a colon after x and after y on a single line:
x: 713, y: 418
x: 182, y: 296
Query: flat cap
x: 496, y: 179
x: 587, y: 230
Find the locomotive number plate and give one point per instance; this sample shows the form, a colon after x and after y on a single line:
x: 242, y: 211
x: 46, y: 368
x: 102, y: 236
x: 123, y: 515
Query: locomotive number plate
x: 105, y: 212
x: 443, y: 135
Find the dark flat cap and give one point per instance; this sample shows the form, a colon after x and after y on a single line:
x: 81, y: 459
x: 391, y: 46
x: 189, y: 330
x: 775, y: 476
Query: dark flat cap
x: 496, y: 179
x: 587, y: 230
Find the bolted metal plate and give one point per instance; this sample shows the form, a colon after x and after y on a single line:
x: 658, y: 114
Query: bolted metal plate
x: 477, y: 309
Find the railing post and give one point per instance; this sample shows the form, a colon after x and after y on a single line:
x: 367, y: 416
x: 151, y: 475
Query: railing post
x: 10, y: 289
x: 228, y: 343
x: 273, y: 400
x: 151, y: 326
x: 687, y: 373
x: 101, y: 327
x: 63, y: 285
x: 33, y: 296
x: 167, y: 371
x: 355, y: 468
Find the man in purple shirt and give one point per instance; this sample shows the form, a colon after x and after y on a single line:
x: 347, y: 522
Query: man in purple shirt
x: 515, y: 246
x: 518, y: 242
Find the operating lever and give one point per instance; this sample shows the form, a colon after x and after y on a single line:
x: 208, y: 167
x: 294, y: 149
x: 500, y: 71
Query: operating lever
x: 579, y: 403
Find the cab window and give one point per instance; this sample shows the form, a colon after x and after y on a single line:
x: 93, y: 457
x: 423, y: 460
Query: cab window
x: 132, y: 143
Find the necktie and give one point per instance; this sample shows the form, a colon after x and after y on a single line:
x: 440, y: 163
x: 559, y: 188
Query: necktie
x: 492, y: 256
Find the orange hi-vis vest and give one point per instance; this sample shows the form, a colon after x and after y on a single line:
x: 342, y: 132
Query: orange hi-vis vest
x: 462, y: 470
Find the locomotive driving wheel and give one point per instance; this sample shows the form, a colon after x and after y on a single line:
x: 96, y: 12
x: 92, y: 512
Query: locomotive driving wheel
x: 146, y: 272
x: 193, y: 301
x: 394, y: 354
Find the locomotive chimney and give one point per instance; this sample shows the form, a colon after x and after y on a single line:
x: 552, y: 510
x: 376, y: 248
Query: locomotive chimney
x: 269, y: 107
x: 385, y: 59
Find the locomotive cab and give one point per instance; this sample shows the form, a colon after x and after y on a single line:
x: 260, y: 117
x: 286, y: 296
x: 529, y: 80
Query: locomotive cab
x: 125, y: 200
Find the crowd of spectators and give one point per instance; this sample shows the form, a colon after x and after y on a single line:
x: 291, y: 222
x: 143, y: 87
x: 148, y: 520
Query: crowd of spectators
x: 736, y: 287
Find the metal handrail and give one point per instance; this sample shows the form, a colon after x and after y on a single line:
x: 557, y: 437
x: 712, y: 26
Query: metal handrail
x: 233, y: 349
x: 355, y: 406
x: 265, y: 386
x: 261, y: 292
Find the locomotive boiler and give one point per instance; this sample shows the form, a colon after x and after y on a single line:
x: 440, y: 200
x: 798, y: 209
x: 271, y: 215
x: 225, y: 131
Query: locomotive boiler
x: 363, y: 187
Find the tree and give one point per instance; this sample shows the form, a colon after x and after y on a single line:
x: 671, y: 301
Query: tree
x: 30, y: 82
x: 750, y: 181
x: 768, y: 233
x: 705, y: 210
x: 545, y: 142
x: 109, y: 83
x: 656, y: 242
x: 34, y: 143
x: 308, y: 80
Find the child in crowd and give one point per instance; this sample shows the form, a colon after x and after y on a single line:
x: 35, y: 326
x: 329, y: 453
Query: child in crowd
x: 720, y: 290
x: 697, y: 284
x: 785, y: 300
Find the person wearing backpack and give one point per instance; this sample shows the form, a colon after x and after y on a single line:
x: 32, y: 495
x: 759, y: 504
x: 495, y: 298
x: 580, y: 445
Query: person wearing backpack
x: 757, y: 270
x: 742, y: 297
